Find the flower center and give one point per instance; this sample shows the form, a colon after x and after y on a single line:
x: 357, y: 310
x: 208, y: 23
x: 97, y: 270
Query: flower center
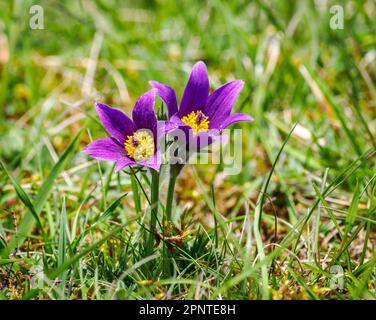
x: 140, y: 146
x: 197, y: 120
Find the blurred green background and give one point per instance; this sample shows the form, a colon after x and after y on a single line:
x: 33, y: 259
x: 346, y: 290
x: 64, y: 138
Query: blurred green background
x: 262, y: 42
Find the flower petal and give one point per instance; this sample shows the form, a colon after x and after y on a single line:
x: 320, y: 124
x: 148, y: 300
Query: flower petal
x: 123, y: 162
x: 201, y: 140
x: 105, y: 149
x: 167, y: 94
x: 164, y: 127
x: 175, y: 119
x: 237, y: 117
x: 154, y: 163
x: 220, y: 102
x: 184, y: 128
x: 115, y: 122
x: 197, y: 90
x: 143, y: 112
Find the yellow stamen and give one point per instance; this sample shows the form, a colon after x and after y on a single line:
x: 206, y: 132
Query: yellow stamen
x: 140, y: 146
x: 197, y: 120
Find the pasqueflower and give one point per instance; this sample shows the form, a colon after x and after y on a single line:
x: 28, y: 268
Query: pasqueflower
x: 131, y: 142
x: 199, y: 111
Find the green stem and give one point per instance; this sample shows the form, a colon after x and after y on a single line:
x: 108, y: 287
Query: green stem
x: 174, y: 172
x: 154, y: 207
x: 170, y: 196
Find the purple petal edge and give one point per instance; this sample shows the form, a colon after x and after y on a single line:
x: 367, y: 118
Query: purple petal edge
x: 154, y: 163
x: 123, y: 162
x: 221, y: 101
x: 105, y: 149
x: 237, y: 117
x: 167, y: 94
x: 143, y: 112
x: 116, y: 123
x: 196, y: 91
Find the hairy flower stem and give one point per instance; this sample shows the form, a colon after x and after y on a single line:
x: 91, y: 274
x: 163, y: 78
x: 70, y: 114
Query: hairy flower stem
x: 175, y: 169
x: 174, y: 172
x: 154, y: 208
x: 170, y: 197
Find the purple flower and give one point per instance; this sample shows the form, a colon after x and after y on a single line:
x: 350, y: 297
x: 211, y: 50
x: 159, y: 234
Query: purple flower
x: 131, y: 142
x: 200, y: 112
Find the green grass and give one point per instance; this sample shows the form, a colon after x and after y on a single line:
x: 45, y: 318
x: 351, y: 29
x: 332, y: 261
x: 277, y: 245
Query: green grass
x: 303, y: 204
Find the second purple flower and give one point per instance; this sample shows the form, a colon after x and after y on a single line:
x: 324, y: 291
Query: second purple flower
x: 131, y: 142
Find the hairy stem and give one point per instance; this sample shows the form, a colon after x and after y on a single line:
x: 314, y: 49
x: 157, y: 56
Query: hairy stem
x: 154, y: 208
x: 170, y: 196
x: 174, y: 172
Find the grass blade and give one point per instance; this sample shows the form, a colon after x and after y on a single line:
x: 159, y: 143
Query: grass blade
x: 42, y: 196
